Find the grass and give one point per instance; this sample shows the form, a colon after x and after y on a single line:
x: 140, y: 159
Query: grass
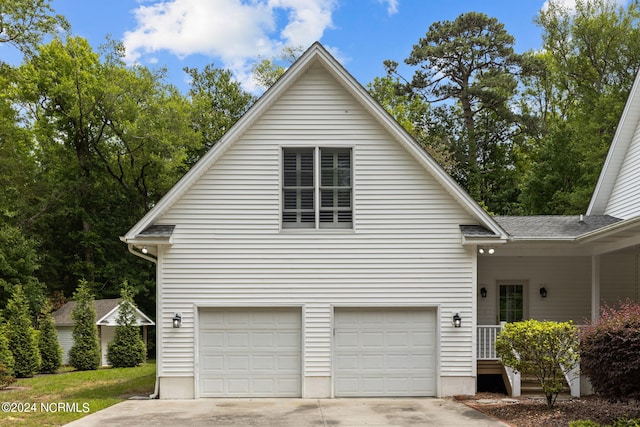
x: 54, y: 400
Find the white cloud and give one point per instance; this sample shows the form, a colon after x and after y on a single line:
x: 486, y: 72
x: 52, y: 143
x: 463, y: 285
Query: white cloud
x: 236, y: 31
x: 392, y: 6
x: 571, y: 4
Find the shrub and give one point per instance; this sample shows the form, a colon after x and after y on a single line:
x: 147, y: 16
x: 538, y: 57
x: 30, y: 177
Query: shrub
x: 547, y: 350
x: 610, y: 352
x: 6, y: 357
x: 22, y: 337
x: 84, y: 354
x: 6, y: 377
x: 50, y: 350
x: 127, y: 348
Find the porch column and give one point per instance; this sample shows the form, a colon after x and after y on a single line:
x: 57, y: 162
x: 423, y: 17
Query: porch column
x: 595, y: 287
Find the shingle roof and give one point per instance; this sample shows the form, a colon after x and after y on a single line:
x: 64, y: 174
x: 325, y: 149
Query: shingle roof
x: 553, y: 226
x: 62, y: 316
x: 158, y: 231
x: 476, y: 231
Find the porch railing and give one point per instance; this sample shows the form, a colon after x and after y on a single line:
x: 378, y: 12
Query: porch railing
x: 487, y: 335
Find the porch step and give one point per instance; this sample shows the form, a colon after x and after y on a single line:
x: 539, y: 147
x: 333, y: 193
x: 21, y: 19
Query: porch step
x: 530, y: 386
x: 489, y: 367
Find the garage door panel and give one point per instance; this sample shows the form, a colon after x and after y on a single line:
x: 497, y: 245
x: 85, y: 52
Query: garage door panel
x: 250, y: 352
x: 385, y: 352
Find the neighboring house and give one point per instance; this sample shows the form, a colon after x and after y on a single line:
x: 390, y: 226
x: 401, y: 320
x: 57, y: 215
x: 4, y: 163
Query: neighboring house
x: 107, y: 311
x: 317, y: 251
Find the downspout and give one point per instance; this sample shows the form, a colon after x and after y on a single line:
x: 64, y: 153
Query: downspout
x: 156, y: 388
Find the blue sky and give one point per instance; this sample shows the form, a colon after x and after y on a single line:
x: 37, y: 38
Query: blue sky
x: 235, y: 33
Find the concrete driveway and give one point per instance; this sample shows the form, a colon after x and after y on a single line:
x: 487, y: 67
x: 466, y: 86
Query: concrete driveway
x: 289, y: 412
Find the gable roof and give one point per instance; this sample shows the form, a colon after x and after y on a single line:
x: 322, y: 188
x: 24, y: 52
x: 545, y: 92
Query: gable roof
x: 617, y: 152
x: 104, y: 308
x: 315, y: 54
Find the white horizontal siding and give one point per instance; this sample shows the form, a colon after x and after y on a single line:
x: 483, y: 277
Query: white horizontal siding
x: 404, y: 249
x: 624, y: 201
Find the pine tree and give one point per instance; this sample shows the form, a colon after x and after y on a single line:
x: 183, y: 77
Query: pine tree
x: 50, y: 350
x: 127, y: 348
x: 6, y: 360
x: 85, y: 351
x: 22, y: 338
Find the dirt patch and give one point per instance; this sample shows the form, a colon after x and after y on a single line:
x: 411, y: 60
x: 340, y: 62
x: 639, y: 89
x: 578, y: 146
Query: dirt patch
x: 533, y: 411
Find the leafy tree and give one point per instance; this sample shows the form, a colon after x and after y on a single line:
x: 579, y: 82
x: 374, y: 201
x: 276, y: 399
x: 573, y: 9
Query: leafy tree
x: 23, y: 23
x: 268, y: 70
x: 471, y: 62
x: 22, y: 337
x: 590, y: 59
x: 548, y: 350
x: 84, y: 354
x: 127, y: 349
x: 610, y: 352
x: 50, y: 350
x: 217, y: 102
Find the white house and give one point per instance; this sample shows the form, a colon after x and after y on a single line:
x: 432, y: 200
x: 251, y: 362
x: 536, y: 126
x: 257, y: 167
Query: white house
x: 107, y: 312
x: 317, y: 251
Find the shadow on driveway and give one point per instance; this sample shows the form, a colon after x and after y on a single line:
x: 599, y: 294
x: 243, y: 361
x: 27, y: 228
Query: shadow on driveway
x: 289, y: 412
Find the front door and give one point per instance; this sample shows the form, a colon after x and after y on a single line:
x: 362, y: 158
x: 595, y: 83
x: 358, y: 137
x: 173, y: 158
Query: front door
x: 511, y: 302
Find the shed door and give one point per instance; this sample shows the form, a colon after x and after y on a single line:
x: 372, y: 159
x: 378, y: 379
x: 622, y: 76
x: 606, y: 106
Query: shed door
x: 250, y: 352
x: 385, y: 352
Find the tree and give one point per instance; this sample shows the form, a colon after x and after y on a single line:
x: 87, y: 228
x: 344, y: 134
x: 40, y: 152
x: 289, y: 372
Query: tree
x: 590, y: 59
x: 50, y: 350
x: 23, y: 23
x: 127, y: 349
x: 610, y: 353
x: 22, y: 337
x: 268, y: 70
x: 217, y: 102
x: 471, y: 62
x: 84, y: 354
x: 6, y: 360
x: 548, y: 350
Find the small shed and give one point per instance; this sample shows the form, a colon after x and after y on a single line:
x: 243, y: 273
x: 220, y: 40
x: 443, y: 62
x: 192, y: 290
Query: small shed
x: 107, y: 311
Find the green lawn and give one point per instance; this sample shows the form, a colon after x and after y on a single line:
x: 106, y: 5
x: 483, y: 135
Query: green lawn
x: 53, y: 400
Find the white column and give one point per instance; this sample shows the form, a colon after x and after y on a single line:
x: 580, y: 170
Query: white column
x: 595, y: 287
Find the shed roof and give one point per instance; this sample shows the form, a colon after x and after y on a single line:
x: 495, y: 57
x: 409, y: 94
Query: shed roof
x: 103, y: 307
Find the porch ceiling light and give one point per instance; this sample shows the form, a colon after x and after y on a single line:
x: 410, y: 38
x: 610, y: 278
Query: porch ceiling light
x: 457, y: 320
x: 543, y: 292
x: 145, y: 250
x: 482, y: 251
x: 483, y: 292
x: 177, y: 320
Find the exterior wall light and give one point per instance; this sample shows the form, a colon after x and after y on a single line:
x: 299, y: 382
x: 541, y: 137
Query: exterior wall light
x: 543, y: 292
x: 457, y: 320
x: 177, y: 320
x: 483, y: 292
x: 145, y: 250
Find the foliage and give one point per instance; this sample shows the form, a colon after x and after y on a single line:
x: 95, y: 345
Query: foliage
x: 24, y: 22
x: 98, y: 389
x: 6, y: 377
x: 610, y: 352
x: 6, y: 356
x: 620, y: 422
x: 50, y: 350
x: 85, y: 351
x: 589, y: 62
x: 471, y: 62
x: 268, y: 70
x: 21, y: 335
x: 127, y: 349
x: 547, y: 350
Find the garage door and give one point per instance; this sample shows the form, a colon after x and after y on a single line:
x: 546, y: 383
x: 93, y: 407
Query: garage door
x: 250, y: 352
x: 385, y: 352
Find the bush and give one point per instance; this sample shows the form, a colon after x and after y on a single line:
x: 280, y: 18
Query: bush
x: 547, y: 350
x: 6, y: 377
x: 22, y: 338
x: 127, y: 348
x: 84, y: 354
x: 610, y: 352
x: 6, y: 357
x: 50, y: 350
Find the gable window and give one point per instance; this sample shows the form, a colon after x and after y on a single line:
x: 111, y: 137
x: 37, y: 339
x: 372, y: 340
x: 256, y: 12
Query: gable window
x: 317, y: 190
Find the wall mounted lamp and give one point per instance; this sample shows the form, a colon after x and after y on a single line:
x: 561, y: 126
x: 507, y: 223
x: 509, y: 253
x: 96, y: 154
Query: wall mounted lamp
x: 457, y: 320
x: 543, y: 292
x: 483, y: 292
x: 177, y: 320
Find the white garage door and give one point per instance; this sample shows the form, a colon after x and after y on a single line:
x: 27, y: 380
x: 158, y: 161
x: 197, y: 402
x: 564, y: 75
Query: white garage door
x: 385, y: 352
x: 250, y: 352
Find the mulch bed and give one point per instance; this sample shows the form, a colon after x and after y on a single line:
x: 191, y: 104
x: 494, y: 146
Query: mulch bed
x: 533, y: 411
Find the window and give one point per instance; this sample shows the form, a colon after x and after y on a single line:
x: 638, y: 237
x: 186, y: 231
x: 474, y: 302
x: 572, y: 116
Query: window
x: 317, y: 188
x: 511, y: 303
